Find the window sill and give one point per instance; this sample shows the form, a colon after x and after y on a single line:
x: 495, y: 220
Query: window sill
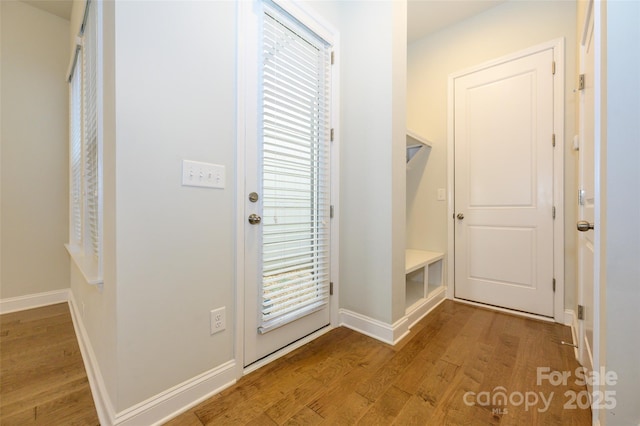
x: 87, y: 265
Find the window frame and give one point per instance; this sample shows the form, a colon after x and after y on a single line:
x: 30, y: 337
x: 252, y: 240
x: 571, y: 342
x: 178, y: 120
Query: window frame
x: 85, y: 212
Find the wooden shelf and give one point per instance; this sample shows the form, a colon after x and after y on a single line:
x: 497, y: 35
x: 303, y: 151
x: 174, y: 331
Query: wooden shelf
x: 416, y: 259
x: 415, y: 143
x: 423, y: 270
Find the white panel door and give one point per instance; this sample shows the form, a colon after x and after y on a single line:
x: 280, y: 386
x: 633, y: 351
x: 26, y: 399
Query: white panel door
x: 504, y: 185
x: 586, y: 243
x: 287, y: 182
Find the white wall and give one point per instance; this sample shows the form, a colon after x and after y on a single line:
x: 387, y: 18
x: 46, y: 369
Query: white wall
x: 34, y: 168
x: 505, y: 29
x: 169, y: 94
x: 175, y: 99
x: 621, y: 195
x: 372, y: 170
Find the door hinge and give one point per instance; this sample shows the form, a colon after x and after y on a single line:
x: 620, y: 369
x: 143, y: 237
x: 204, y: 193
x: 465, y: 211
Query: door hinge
x: 331, y: 135
x: 553, y: 212
x: 331, y: 211
x: 553, y: 67
x: 553, y: 140
x: 554, y: 285
x: 580, y: 312
x: 581, y: 82
x: 331, y: 289
x: 333, y: 57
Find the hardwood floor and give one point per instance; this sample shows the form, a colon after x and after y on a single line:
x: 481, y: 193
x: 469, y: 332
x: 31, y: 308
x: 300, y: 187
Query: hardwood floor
x: 460, y: 365
x: 42, y: 376
x: 452, y: 370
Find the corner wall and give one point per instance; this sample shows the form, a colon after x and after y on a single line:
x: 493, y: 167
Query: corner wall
x: 34, y: 163
x: 169, y: 70
x: 502, y: 30
x: 372, y: 170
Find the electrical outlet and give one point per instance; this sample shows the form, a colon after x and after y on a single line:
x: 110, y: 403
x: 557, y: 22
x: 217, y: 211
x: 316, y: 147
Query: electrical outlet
x: 195, y: 173
x: 218, y: 320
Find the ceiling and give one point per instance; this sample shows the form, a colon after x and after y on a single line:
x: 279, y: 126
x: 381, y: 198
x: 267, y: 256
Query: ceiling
x: 423, y: 16
x: 428, y: 16
x: 61, y: 8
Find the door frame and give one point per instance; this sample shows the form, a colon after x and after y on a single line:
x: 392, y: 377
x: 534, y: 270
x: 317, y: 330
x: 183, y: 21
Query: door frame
x: 557, y: 45
x: 584, y: 352
x: 247, y: 96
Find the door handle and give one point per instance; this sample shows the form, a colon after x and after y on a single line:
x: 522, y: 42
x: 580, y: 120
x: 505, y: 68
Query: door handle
x: 584, y: 226
x: 254, y: 219
x: 460, y: 216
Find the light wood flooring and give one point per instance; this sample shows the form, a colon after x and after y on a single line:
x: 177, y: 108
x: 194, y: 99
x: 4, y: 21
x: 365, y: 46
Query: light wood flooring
x: 42, y: 377
x: 342, y: 377
x: 346, y: 378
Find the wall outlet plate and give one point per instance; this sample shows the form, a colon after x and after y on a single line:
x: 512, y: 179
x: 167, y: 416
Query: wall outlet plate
x: 218, y: 320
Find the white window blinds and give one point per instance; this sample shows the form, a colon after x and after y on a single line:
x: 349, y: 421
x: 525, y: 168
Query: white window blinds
x: 295, y: 157
x: 85, y: 150
x: 75, y: 131
x: 90, y: 102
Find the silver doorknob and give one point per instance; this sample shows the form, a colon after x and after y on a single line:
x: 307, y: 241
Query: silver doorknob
x: 460, y: 216
x: 254, y: 219
x: 584, y: 226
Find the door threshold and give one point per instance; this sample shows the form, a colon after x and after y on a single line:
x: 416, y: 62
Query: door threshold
x: 505, y: 310
x: 287, y: 349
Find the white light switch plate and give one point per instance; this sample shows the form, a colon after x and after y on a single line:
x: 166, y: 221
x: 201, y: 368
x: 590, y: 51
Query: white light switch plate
x: 196, y: 173
x: 441, y: 194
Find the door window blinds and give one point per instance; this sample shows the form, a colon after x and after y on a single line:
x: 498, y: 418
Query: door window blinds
x: 295, y: 88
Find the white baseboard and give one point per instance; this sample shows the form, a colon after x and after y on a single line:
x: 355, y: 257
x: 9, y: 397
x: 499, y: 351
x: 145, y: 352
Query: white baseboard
x: 571, y: 320
x: 427, y: 306
x: 30, y: 301
x: 387, y: 333
x: 178, y: 399
x: 391, y: 333
x: 101, y: 400
x: 159, y: 408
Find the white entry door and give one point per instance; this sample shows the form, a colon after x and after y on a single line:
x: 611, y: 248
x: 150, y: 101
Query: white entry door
x: 288, y: 177
x: 586, y: 188
x: 503, y: 168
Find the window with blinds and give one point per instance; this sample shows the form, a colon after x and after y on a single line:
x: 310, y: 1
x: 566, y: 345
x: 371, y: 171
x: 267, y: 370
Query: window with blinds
x: 90, y: 121
x: 295, y: 88
x: 84, y: 150
x: 75, y: 132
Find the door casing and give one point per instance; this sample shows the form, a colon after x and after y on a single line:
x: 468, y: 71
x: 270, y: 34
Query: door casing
x: 558, y: 168
x: 246, y: 95
x: 585, y: 279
